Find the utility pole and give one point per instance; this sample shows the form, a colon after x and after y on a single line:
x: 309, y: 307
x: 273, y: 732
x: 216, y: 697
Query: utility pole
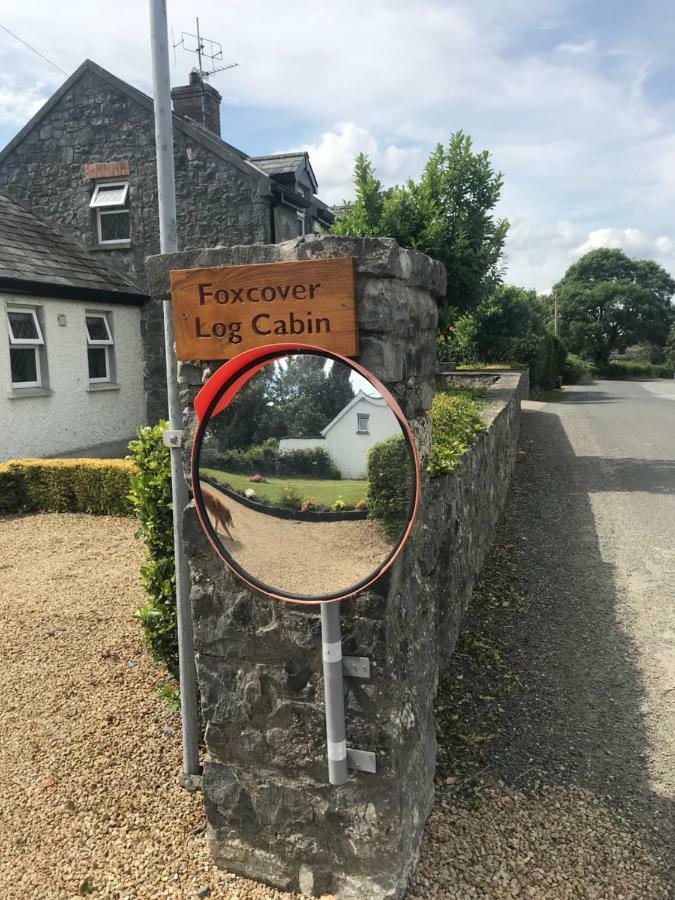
x: 168, y: 242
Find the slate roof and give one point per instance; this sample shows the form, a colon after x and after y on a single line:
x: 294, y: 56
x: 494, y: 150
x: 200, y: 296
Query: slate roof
x: 37, y: 259
x: 285, y: 163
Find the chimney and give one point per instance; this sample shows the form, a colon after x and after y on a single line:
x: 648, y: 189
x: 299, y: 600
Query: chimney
x: 198, y: 100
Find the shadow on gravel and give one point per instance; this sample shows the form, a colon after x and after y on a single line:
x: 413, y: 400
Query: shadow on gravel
x: 573, y: 714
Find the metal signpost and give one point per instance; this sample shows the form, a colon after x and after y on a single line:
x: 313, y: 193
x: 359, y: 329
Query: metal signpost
x: 168, y: 242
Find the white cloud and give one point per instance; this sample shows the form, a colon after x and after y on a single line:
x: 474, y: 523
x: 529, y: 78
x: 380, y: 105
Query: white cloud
x: 582, y: 48
x: 17, y: 105
x: 631, y: 240
x: 333, y: 160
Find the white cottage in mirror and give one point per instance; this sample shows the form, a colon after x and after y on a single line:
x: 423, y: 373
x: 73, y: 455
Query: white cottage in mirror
x: 363, y: 422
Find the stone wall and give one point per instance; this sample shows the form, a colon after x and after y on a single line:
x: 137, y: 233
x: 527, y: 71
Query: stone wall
x: 271, y: 813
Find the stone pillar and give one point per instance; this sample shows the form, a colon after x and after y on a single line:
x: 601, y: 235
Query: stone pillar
x: 271, y: 813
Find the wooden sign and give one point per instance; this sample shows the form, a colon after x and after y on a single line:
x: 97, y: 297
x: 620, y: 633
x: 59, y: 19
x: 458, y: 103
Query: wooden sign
x: 222, y: 311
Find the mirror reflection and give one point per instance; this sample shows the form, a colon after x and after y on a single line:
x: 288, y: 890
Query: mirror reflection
x: 306, y: 476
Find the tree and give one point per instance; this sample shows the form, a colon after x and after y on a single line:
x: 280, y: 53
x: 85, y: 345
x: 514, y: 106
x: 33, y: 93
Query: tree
x: 607, y: 301
x: 448, y: 213
x: 509, y: 324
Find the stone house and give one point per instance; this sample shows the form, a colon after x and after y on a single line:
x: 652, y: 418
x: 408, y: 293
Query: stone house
x: 71, y: 368
x: 86, y: 164
x: 364, y: 422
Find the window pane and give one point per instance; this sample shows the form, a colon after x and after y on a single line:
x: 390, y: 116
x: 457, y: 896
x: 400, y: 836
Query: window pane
x: 23, y: 326
x: 97, y: 328
x: 24, y: 365
x: 115, y: 226
x: 98, y: 363
x: 362, y: 422
x: 109, y: 195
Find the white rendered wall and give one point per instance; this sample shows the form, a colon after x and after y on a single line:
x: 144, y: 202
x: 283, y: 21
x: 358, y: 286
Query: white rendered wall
x: 350, y: 449
x: 73, y: 415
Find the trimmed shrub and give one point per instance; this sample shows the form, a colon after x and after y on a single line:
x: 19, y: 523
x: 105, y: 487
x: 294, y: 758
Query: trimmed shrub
x: 97, y: 486
x: 268, y: 459
x: 388, y: 472
x: 576, y: 370
x: 549, y: 362
x: 455, y: 424
x: 152, y: 503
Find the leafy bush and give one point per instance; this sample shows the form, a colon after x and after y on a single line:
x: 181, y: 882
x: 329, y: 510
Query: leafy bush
x: 388, y: 472
x: 456, y: 344
x: 290, y: 498
x: 576, y: 370
x: 151, y: 498
x: 268, y: 459
x: 97, y: 486
x: 455, y: 423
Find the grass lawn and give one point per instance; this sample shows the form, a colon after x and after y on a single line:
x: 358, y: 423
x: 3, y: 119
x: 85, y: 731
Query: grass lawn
x: 324, y: 492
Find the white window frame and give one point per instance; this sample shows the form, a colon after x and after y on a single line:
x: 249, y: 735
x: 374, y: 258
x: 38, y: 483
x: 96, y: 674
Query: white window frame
x: 106, y: 343
x: 105, y: 207
x: 98, y: 200
x: 301, y: 218
x: 359, y: 429
x: 26, y: 344
x: 111, y: 212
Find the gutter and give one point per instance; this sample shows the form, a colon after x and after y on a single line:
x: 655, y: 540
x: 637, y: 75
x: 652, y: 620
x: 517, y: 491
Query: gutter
x: 70, y: 292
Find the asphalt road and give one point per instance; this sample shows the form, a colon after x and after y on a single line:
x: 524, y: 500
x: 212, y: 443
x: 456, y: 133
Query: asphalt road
x: 623, y: 438
x: 588, y: 539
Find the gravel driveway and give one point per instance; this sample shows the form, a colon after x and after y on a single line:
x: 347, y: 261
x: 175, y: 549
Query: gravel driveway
x: 89, y: 754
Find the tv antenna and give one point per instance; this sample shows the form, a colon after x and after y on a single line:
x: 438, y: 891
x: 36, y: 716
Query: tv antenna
x: 209, y: 53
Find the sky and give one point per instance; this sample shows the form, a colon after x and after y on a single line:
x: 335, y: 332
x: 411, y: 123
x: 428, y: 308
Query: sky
x: 574, y: 100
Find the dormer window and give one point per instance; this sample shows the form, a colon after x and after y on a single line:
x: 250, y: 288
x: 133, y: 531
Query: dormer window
x: 112, y: 216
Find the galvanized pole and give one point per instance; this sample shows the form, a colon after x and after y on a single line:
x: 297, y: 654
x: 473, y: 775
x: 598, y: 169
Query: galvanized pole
x: 331, y: 640
x: 168, y: 243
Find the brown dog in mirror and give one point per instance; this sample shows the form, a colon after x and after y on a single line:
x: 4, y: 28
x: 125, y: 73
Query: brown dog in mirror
x: 217, y: 508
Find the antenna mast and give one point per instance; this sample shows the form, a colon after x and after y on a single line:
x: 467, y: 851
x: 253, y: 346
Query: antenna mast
x: 209, y: 54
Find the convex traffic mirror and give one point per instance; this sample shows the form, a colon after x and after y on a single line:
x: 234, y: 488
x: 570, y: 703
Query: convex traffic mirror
x: 304, y: 472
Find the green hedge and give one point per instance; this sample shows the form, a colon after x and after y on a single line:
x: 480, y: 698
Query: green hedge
x: 629, y: 369
x: 98, y: 486
x: 152, y: 503
x: 268, y: 459
x: 388, y: 472
x: 455, y: 423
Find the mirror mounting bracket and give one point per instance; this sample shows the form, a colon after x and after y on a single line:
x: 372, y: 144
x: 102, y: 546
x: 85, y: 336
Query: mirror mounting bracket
x: 361, y: 761
x: 356, y: 666
x: 172, y: 438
